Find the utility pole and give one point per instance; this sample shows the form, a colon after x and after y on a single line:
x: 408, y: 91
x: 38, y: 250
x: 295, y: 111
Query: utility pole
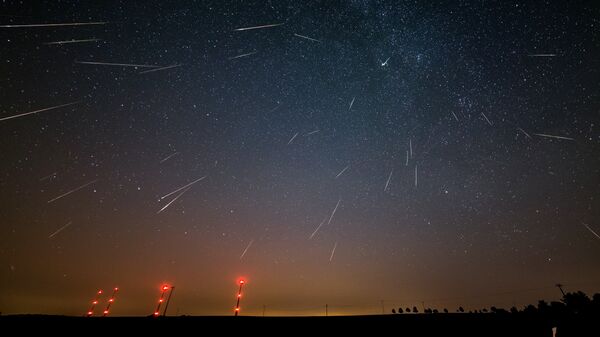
x: 382, y: 308
x: 326, y: 310
x: 168, y: 300
x: 560, y: 287
x: 264, y: 309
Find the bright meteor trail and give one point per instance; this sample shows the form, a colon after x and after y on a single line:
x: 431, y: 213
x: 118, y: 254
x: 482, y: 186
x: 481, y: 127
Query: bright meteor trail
x: 182, y: 187
x: 70, y: 41
x: 119, y: 64
x: 36, y: 111
x: 334, y: 210
x: 54, y: 24
x: 552, y: 136
x: 306, y: 37
x: 258, y: 27
x: 72, y: 191
x: 59, y: 230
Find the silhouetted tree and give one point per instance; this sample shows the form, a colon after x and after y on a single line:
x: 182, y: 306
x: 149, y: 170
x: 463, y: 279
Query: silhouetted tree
x: 461, y: 309
x: 596, y: 303
x: 415, y: 309
x: 400, y: 310
x: 484, y: 310
x: 435, y: 311
x: 407, y: 309
x: 543, y: 307
x: 530, y: 309
x: 514, y: 310
x: 493, y: 310
x: 577, y: 302
x: 558, y: 308
x: 445, y: 311
x: 393, y: 311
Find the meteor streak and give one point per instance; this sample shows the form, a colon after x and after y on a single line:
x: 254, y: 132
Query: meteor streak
x: 552, y: 136
x: 334, y: 210
x: 161, y: 68
x: 70, y: 41
x: 36, y: 111
x: 60, y: 230
x: 333, y: 251
x: 119, y: 64
x: 55, y: 24
x: 242, y: 55
x: 258, y: 27
x: 306, y: 37
x: 182, y: 187
x: 72, y: 191
x: 245, y: 250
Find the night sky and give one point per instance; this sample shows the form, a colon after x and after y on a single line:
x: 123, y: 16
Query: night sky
x: 353, y: 152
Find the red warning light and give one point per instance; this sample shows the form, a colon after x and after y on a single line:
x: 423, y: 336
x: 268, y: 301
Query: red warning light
x: 94, y: 302
x: 156, y: 313
x: 111, y: 299
x: 239, y: 296
x: 165, y: 287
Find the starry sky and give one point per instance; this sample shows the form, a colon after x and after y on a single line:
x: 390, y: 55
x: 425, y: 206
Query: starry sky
x: 353, y: 152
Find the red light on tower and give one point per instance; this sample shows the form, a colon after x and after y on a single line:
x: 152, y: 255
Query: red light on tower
x: 110, y: 301
x: 94, y: 302
x: 163, y: 289
x: 239, y: 295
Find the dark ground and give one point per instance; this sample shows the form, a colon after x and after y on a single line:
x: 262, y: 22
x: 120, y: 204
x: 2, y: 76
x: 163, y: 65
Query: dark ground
x: 396, y: 325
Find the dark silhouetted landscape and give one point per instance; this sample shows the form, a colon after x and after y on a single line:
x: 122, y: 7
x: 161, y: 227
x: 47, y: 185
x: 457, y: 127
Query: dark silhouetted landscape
x: 575, y: 315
